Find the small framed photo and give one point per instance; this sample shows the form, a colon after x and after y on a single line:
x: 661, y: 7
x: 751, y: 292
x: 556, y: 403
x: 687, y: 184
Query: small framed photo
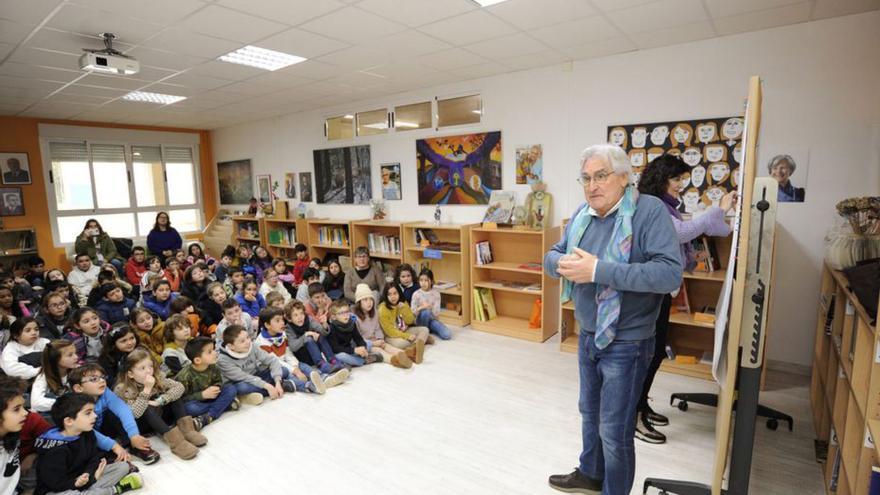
x: 11, y: 204
x: 264, y: 188
x: 15, y: 168
x: 391, y: 181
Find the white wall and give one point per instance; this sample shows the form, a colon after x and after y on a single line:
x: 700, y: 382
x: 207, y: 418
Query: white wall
x: 821, y: 83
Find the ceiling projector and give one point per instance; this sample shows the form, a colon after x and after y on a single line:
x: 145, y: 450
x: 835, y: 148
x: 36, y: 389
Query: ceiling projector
x: 108, y: 60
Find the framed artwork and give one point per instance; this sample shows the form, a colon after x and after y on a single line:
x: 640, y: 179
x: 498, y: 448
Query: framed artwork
x: 305, y: 187
x: 342, y: 175
x: 11, y: 204
x: 235, y: 182
x: 264, y: 188
x: 529, y: 164
x: 459, y: 170
x: 790, y: 167
x: 391, y: 181
x: 290, y: 184
x: 712, y: 148
x: 15, y: 168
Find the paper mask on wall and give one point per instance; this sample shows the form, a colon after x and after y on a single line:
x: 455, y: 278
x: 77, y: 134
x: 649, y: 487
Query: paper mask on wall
x: 682, y: 134
x: 719, y: 172
x: 659, y: 134
x: 639, y: 135
x: 617, y: 137
x: 712, y: 196
x: 698, y: 175
x: 691, y: 200
x: 684, y: 182
x: 738, y: 153
x: 732, y: 129
x: 707, y: 132
x: 692, y: 156
x: 637, y: 158
x: 715, y: 153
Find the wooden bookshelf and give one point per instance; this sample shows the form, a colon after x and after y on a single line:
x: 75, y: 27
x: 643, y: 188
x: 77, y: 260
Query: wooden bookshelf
x: 362, y: 230
x: 282, y: 248
x: 506, y: 276
x: 256, y: 232
x: 319, y: 249
x: 452, y: 266
x: 16, y: 245
x: 845, y: 386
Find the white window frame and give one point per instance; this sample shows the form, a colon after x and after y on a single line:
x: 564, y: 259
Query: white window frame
x: 54, y: 214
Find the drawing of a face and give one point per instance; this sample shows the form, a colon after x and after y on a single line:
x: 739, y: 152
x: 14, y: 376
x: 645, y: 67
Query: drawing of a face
x: 681, y: 134
x: 738, y: 153
x: 732, y: 128
x: 714, y: 152
x: 719, y: 172
x: 617, y: 137
x: 639, y: 135
x: 659, y: 134
x: 692, y: 156
x: 691, y: 198
x: 698, y: 175
x: 712, y: 196
x: 654, y: 153
x: 684, y: 182
x: 736, y: 176
x: 706, y: 132
x: 637, y: 158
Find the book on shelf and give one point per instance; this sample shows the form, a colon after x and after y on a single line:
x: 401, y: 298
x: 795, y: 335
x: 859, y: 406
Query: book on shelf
x: 479, y: 309
x: 533, y: 266
x: 333, y: 236
x: 706, y: 254
x: 488, y: 301
x: 286, y: 236
x: 483, y: 253
x: 428, y: 238
x: 829, y: 316
x: 443, y: 285
x: 383, y: 244
x: 680, y: 303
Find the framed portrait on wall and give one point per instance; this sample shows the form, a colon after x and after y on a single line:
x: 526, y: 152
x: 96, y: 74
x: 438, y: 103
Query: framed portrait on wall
x: 290, y: 185
x: 305, y: 187
x: 235, y: 182
x: 391, y: 181
x: 11, y: 204
x: 15, y: 168
x: 264, y: 188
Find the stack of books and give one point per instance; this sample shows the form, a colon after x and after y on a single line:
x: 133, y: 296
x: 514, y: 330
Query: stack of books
x: 484, y: 304
x: 383, y: 244
x: 333, y: 236
x: 484, y: 253
x: 285, y: 236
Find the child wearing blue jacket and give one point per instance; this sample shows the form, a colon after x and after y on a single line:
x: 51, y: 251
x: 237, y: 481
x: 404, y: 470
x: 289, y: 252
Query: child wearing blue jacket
x: 250, y: 300
x: 160, y: 300
x: 114, y: 306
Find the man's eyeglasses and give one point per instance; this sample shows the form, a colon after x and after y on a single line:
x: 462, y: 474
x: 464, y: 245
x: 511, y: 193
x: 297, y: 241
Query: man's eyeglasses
x: 600, y: 178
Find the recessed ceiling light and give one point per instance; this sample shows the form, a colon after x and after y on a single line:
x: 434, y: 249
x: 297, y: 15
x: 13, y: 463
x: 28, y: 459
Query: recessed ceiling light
x: 261, y: 58
x: 153, y: 97
x: 486, y: 3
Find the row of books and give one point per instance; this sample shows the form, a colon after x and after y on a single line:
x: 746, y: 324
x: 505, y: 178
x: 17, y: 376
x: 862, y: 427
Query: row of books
x: 483, y: 252
x: 249, y: 230
x: 383, y: 244
x: 707, y: 254
x: 333, y: 236
x: 286, y: 236
x: 428, y: 238
x: 484, y: 304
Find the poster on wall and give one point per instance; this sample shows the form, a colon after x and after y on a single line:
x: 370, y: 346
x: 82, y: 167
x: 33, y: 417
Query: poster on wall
x: 305, y: 187
x: 459, y: 170
x: 16, y: 169
x: 264, y: 188
x: 529, y: 164
x: 790, y: 167
x: 391, y: 181
x: 235, y: 182
x: 342, y: 175
x: 11, y: 204
x: 290, y: 185
x: 712, y: 148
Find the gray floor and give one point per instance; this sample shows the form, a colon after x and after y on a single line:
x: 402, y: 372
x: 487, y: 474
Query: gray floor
x: 484, y: 414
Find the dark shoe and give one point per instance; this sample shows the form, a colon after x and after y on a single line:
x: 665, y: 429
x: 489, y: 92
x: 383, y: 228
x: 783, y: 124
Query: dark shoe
x: 235, y: 405
x: 288, y: 386
x: 656, y: 418
x: 646, y: 432
x: 148, y: 456
x: 202, y: 421
x: 575, y: 482
x: 374, y: 358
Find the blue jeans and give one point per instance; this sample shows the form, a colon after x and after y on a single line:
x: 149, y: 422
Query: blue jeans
x: 214, y: 407
x: 435, y: 326
x: 316, y: 349
x: 334, y: 294
x: 611, y: 381
x: 353, y: 359
x: 242, y: 388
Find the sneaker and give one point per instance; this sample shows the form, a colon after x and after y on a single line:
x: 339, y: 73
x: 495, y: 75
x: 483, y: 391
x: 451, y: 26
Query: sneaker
x: 575, y: 482
x: 325, y: 367
x: 645, y: 431
x: 373, y: 358
x: 318, y: 382
x: 430, y: 340
x: 656, y: 418
x: 336, y: 378
x: 288, y: 386
x: 147, y: 456
x: 129, y: 482
x: 252, y: 399
x: 202, y: 421
x: 235, y: 405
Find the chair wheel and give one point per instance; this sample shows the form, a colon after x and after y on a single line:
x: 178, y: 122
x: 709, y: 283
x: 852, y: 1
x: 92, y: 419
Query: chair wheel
x: 772, y: 424
x: 682, y: 406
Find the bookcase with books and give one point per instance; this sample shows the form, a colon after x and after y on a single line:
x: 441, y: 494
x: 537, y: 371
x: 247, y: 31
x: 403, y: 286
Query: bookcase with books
x: 247, y: 230
x: 282, y: 235
x: 511, y: 294
x: 329, y: 238
x: 444, y: 249
x: 383, y: 239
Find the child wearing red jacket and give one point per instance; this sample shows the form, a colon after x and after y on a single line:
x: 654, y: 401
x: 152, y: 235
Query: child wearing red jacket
x: 300, y: 263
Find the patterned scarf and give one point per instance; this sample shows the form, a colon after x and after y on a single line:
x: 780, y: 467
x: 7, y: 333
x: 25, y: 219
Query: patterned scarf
x: 617, y: 250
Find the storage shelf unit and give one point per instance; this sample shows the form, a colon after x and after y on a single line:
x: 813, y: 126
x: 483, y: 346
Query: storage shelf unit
x: 17, y: 244
x: 322, y: 247
x: 452, y: 266
x: 511, y: 249
x: 284, y: 249
x: 845, y: 386
x: 249, y: 230
x: 362, y: 231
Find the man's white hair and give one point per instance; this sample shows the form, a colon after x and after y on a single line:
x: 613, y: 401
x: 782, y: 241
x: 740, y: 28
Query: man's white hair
x: 613, y: 156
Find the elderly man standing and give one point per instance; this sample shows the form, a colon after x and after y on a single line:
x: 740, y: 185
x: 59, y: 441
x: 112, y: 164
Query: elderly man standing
x: 618, y: 257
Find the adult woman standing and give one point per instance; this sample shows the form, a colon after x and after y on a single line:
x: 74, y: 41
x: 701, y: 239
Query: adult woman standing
x: 163, y: 239
x: 662, y: 179
x: 94, y: 242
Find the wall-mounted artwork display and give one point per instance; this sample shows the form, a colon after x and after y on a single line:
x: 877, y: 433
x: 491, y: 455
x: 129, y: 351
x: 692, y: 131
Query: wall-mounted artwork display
x: 11, y: 204
x: 264, y: 188
x: 712, y: 148
x: 529, y: 164
x: 15, y: 168
x: 459, y: 170
x: 235, y: 182
x: 305, y: 187
x: 342, y: 175
x: 391, y: 181
x: 290, y: 185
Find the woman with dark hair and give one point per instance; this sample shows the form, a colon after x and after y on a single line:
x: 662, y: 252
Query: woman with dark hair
x: 163, y: 239
x: 662, y: 179
x: 96, y: 243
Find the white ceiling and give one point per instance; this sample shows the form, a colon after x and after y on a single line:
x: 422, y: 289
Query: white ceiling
x: 357, y: 49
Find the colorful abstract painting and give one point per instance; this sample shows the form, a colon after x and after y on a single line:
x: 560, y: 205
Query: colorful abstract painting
x: 459, y: 170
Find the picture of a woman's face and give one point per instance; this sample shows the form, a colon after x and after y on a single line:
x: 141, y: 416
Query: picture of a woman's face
x: 692, y: 156
x: 639, y: 135
x: 659, y: 135
x: 736, y: 176
x: 706, y: 133
x: 713, y: 195
x: 698, y: 175
x: 681, y: 134
x: 732, y: 128
x: 738, y: 153
x: 637, y: 158
x: 684, y: 182
x: 691, y: 199
x: 714, y: 152
x: 719, y: 172
x: 617, y: 137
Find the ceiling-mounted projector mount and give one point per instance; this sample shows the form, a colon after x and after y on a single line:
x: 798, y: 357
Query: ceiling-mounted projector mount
x: 109, y: 59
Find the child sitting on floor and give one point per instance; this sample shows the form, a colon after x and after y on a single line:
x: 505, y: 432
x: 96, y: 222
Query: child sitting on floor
x: 159, y: 301
x: 114, y: 306
x: 395, y: 318
x: 334, y: 281
x: 345, y: 340
x: 275, y: 300
x: 300, y: 263
x: 254, y: 372
x: 234, y: 282
x: 233, y: 315
x: 308, y: 339
x: 272, y: 285
x: 371, y: 331
x: 177, y: 334
x: 150, y: 330
x: 426, y: 306
x: 404, y: 277
x: 23, y: 354
x: 318, y: 304
x: 273, y: 340
x: 206, y: 397
x: 86, y: 333
x: 250, y: 300
x: 310, y: 276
